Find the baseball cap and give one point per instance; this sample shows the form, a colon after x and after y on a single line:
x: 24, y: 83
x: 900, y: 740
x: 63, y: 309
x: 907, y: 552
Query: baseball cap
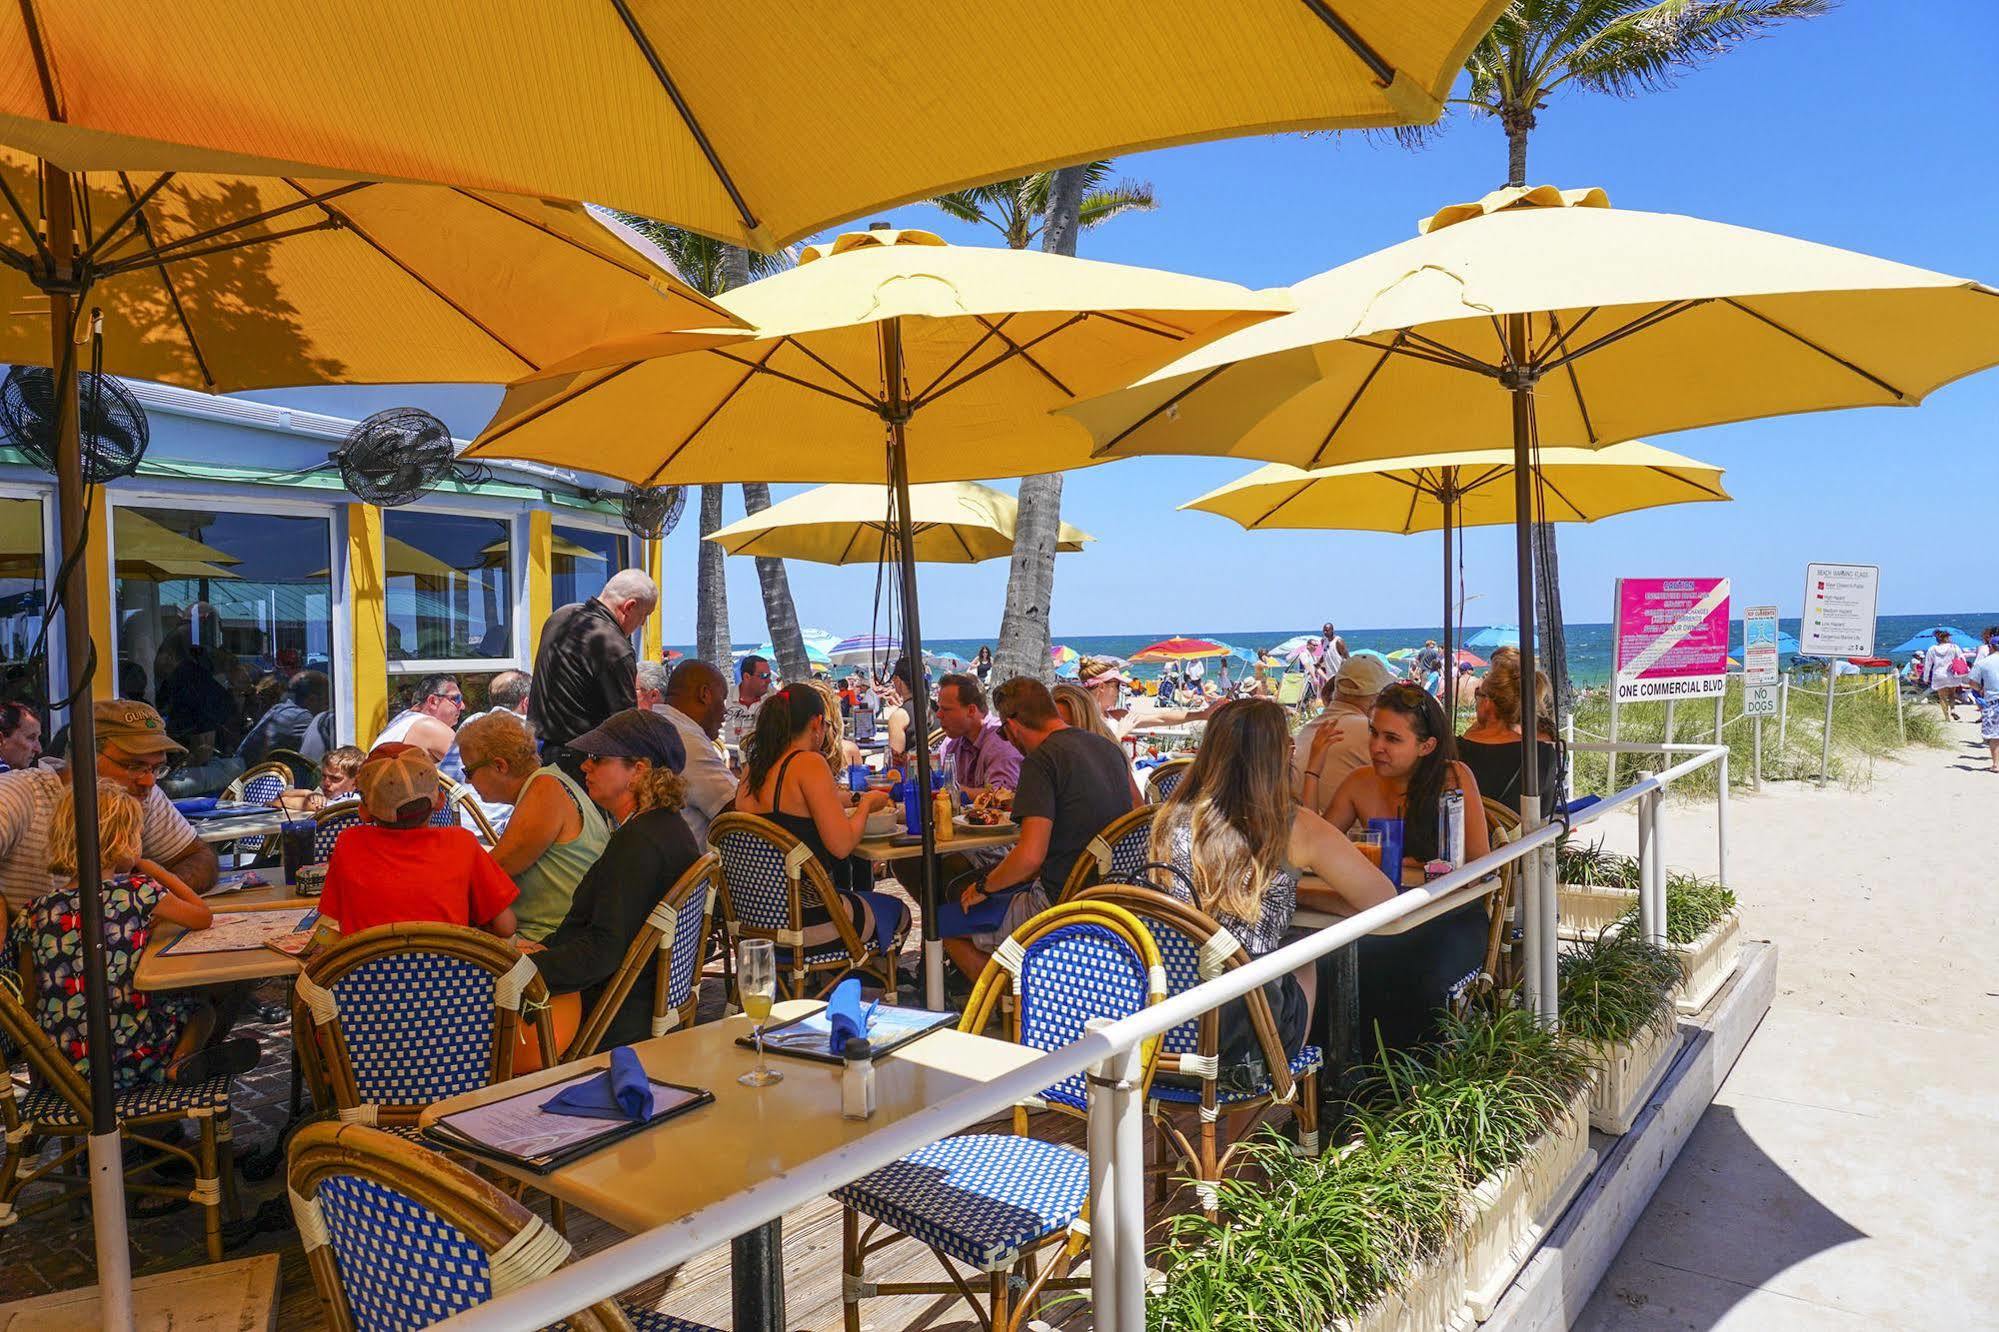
x: 395, y: 776
x: 635, y: 733
x: 1363, y: 676
x: 133, y: 726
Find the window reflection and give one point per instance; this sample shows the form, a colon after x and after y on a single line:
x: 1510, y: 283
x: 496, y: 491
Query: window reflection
x: 580, y: 561
x: 450, y: 587
x: 23, y: 602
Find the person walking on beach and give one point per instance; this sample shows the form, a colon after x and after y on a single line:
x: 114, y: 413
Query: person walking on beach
x: 1940, y: 667
x: 1984, y: 681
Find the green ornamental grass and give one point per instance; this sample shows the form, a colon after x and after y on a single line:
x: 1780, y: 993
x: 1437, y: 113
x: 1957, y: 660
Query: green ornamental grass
x: 1616, y: 987
x: 1694, y: 906
x: 1588, y: 865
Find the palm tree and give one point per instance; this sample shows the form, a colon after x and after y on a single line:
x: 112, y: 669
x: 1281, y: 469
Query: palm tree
x: 1621, y: 47
x: 711, y: 268
x: 1053, y: 207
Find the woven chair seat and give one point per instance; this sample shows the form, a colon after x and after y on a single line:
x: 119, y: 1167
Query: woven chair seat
x: 831, y: 952
x: 651, y: 1320
x: 43, y: 1107
x: 1307, y: 1060
x: 982, y: 1198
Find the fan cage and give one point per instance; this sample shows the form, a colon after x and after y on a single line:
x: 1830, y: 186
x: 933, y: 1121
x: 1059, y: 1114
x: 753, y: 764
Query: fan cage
x: 112, y: 425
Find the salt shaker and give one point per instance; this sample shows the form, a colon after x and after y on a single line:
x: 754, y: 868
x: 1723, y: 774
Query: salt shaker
x: 857, y: 1080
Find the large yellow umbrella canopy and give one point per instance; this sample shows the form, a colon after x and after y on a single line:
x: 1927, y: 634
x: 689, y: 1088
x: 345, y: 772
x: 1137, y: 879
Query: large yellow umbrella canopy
x: 1413, y: 494
x: 758, y: 124
x: 952, y: 522
x: 1633, y: 323
x: 990, y: 341
x: 338, y: 281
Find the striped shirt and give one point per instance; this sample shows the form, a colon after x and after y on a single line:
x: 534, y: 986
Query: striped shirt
x: 28, y: 800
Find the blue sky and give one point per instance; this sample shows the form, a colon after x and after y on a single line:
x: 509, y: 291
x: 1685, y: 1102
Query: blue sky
x: 1870, y: 129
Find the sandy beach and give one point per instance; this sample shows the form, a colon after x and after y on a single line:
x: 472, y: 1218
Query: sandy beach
x: 1843, y: 1176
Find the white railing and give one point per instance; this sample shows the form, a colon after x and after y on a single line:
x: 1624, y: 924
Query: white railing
x: 1107, y: 1055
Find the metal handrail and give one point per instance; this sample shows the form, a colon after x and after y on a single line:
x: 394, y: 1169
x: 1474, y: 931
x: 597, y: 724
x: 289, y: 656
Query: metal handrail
x: 625, y: 1264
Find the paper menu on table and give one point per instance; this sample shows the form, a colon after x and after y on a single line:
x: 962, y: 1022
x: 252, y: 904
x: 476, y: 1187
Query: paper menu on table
x: 240, y: 931
x: 519, y: 1127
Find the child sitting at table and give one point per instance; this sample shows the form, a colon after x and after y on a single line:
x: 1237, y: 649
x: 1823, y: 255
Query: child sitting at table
x: 336, y: 781
x: 155, y: 1037
x: 395, y: 867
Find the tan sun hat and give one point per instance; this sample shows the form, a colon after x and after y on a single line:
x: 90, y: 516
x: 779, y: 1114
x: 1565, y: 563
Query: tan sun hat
x: 1363, y: 676
x: 133, y: 726
x: 394, y: 777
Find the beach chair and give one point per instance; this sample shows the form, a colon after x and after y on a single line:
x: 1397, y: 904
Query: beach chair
x: 1121, y: 848
x: 399, y: 1237
x: 398, y: 1016
x: 1502, y: 826
x: 1162, y: 780
x: 1194, y: 947
x: 57, y: 1106
x: 763, y: 875
x: 995, y: 1202
x: 261, y: 785
x: 329, y: 823
x: 674, y: 934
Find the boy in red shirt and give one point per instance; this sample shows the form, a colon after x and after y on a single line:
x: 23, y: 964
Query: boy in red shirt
x: 397, y: 868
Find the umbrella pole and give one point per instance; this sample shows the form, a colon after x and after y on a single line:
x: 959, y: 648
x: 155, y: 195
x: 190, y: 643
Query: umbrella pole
x: 106, y: 1165
x: 1447, y: 682
x: 1536, y: 901
x: 895, y: 411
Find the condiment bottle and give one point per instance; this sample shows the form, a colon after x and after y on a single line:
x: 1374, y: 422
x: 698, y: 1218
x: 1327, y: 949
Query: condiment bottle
x: 940, y: 814
x: 857, y: 1080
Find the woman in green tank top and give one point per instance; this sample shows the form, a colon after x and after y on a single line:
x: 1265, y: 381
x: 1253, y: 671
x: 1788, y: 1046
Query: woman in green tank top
x: 556, y: 832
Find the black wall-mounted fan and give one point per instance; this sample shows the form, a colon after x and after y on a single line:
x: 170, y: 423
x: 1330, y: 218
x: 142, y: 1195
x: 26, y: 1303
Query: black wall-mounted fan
x: 653, y: 511
x: 113, y: 424
x: 394, y: 456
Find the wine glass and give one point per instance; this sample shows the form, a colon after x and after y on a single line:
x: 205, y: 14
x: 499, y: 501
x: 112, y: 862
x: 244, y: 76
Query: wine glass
x: 756, y: 984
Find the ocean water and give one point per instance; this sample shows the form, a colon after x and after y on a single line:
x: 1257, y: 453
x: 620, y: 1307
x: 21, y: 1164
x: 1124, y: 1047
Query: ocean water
x: 1589, y: 644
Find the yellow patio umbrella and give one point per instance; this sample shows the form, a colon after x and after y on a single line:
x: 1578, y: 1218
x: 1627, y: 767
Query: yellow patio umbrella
x: 155, y: 552
x: 885, y: 356
x: 759, y: 125
x: 1451, y: 491
x: 951, y: 522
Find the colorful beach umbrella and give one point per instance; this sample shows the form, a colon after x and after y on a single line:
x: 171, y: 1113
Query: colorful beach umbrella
x: 951, y: 522
x: 1181, y: 649
x: 1472, y: 659
x: 864, y: 650
x: 1063, y: 655
x: 1495, y: 636
x: 1399, y: 654
x: 1926, y: 639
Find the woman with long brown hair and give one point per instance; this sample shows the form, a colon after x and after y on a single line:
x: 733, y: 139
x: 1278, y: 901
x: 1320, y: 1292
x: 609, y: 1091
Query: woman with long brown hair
x: 1249, y: 853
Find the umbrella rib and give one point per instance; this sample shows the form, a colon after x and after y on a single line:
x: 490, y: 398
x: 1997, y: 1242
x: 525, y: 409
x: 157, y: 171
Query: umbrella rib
x: 715, y: 411
x: 992, y: 330
x: 1541, y: 477
x: 1359, y: 390
x: 760, y: 367
x: 144, y: 230
x: 553, y: 234
x: 1409, y: 518
x: 1376, y: 66
x: 97, y: 247
x: 1271, y: 512
x: 170, y: 252
x: 1167, y: 331
x: 830, y: 369
x: 348, y: 223
x: 1835, y: 357
x: 1642, y: 323
x: 1417, y: 353
x: 484, y: 444
x: 1575, y: 381
x: 1167, y: 406
x: 1490, y: 475
x: 666, y: 83
x: 1014, y: 349
x: 1686, y: 481
x: 1450, y: 354
x: 29, y: 228
x: 966, y: 546
x: 1557, y: 338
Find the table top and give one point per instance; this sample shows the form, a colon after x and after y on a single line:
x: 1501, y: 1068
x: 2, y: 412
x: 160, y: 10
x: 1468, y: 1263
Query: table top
x: 749, y: 1134
x: 229, y: 827
x: 881, y: 851
x: 1319, y: 909
x: 185, y: 971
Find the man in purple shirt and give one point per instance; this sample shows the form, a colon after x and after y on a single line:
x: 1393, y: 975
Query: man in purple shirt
x: 976, y: 753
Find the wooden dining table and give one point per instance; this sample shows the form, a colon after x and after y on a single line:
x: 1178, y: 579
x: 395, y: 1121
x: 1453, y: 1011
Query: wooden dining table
x: 746, y: 1136
x: 888, y: 850
x: 182, y: 971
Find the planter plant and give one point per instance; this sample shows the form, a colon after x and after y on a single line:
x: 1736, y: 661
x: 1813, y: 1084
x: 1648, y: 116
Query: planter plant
x: 1595, y: 889
x: 1359, y: 1238
x: 1701, y: 927
x: 1617, y: 998
x: 1507, y: 1101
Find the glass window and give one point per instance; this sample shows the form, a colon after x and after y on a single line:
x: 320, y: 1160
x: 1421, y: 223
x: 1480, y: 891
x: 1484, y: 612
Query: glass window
x: 582, y: 559
x: 450, y: 587
x: 225, y: 625
x: 23, y: 652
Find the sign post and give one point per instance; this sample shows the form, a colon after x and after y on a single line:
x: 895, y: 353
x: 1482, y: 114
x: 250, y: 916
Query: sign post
x: 1670, y: 642
x: 1759, y: 673
x: 1838, y: 622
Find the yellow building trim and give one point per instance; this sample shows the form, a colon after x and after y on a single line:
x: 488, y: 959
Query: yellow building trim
x: 103, y: 601
x: 369, y: 630
x: 652, y: 643
x: 541, y: 544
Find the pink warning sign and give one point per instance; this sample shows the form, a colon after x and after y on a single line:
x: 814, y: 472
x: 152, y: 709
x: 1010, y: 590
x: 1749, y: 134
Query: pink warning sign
x: 1672, y: 638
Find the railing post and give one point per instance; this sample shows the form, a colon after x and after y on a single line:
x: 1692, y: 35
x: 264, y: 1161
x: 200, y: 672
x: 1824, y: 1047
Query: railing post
x: 1757, y: 766
x: 1901, y: 727
x: 1117, y: 1191
x: 1721, y: 824
x: 1648, y: 864
x: 1550, y: 1011
x: 1719, y: 701
x: 1568, y: 748
x: 1825, y: 740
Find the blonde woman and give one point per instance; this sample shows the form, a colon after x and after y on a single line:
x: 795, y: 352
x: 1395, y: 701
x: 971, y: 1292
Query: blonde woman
x: 841, y: 753
x: 556, y: 832
x: 1490, y: 746
x: 1249, y: 853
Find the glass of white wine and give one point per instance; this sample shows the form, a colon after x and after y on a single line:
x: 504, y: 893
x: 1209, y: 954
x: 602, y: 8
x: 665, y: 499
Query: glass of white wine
x: 756, y: 984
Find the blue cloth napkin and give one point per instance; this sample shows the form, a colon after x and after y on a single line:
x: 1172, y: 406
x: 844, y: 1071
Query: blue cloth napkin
x: 621, y: 1092
x: 844, y: 1016
x: 195, y: 804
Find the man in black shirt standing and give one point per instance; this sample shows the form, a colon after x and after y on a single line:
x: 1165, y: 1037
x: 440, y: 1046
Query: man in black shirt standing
x: 586, y: 670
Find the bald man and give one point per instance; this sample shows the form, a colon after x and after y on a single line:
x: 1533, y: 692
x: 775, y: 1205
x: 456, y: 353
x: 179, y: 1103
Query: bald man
x: 586, y: 670
x: 695, y: 700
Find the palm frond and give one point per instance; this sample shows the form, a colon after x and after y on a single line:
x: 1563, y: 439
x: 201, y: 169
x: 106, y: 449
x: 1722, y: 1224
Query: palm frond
x: 981, y: 203
x: 1646, y: 49
x: 1102, y: 204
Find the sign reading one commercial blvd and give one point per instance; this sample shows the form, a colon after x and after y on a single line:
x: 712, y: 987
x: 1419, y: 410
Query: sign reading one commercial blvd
x: 1839, y: 610
x: 1672, y: 638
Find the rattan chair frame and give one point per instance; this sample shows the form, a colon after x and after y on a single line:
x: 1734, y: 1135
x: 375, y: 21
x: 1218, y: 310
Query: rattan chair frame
x: 485, y: 1215
x: 212, y: 1157
x: 1208, y: 1158
x: 803, y: 872
x: 1095, y: 862
x: 652, y: 940
x: 234, y: 791
x: 1153, y: 795
x: 331, y: 1060
x: 1003, y: 1312
x: 1502, y: 826
x: 464, y: 801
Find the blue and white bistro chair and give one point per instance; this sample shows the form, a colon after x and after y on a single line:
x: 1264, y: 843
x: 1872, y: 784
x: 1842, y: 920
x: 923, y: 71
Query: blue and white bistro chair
x: 329, y: 823
x: 994, y: 1202
x: 1162, y: 780
x: 396, y: 1017
x: 1196, y: 948
x: 398, y: 1237
x: 1122, y: 848
x: 670, y: 944
x: 261, y: 785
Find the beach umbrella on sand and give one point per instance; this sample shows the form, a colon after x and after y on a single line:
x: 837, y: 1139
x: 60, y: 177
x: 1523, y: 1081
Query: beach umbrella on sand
x: 1181, y: 649
x: 865, y: 650
x: 1063, y: 655
x: 953, y: 356
x: 1471, y: 659
x: 1400, y: 654
x: 1543, y: 318
x: 1451, y: 491
x: 1926, y: 640
x: 1495, y: 636
x: 951, y: 522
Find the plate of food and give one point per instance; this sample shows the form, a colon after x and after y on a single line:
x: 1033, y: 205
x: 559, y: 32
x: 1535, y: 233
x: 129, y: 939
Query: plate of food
x: 989, y: 810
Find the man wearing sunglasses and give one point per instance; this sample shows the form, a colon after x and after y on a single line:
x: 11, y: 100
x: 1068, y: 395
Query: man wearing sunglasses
x: 430, y: 723
x: 133, y: 750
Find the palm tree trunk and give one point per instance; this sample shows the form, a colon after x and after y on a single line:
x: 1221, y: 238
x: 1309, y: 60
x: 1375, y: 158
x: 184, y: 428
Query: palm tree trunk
x: 711, y: 592
x: 1030, y: 585
x: 780, y: 612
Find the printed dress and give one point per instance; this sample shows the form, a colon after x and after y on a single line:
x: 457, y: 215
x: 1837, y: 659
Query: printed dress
x: 144, y: 1025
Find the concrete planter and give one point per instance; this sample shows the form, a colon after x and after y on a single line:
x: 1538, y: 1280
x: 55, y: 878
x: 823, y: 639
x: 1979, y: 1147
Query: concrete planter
x: 1707, y: 963
x: 1583, y: 911
x: 1626, y: 1075
x: 1432, y: 1299
x: 1513, y: 1210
